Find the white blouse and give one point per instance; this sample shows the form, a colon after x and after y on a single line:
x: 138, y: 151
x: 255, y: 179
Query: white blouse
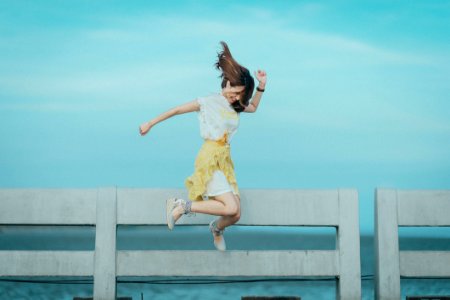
x: 216, y: 117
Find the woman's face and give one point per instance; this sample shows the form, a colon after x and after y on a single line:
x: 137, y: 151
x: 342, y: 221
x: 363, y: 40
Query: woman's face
x: 233, y: 93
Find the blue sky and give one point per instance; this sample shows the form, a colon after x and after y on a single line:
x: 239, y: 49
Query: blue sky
x: 357, y: 92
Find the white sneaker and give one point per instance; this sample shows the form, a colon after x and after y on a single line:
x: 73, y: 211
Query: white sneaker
x: 171, y: 204
x: 221, y: 246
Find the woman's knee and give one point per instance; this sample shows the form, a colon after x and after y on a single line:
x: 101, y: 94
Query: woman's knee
x: 237, y: 213
x: 237, y: 216
x: 231, y: 205
x: 231, y: 209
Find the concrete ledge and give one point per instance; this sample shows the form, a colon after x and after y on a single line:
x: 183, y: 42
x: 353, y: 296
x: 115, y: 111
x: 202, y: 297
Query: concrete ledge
x: 48, y: 206
x: 46, y: 263
x: 299, y: 207
x: 425, y: 263
x: 232, y: 263
x: 423, y: 208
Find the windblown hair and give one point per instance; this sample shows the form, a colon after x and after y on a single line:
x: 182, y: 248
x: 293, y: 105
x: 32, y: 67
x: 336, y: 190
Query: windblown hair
x: 237, y: 75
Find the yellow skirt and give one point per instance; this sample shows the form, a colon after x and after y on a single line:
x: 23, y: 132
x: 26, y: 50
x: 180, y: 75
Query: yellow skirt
x: 213, y: 156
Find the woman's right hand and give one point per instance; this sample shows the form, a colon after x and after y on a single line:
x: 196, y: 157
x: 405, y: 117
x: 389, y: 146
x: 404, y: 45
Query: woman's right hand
x: 144, y: 128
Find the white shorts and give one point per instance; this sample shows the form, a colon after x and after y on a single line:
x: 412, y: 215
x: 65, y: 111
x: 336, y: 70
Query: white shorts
x: 218, y: 185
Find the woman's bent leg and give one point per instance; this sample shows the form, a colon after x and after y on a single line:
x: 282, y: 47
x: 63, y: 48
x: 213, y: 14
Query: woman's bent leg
x: 232, y: 205
x: 228, y: 220
x: 221, y: 205
x: 218, y: 206
x: 210, y: 207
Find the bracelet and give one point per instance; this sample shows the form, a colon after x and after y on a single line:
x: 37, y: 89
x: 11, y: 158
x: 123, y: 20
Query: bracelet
x: 260, y: 90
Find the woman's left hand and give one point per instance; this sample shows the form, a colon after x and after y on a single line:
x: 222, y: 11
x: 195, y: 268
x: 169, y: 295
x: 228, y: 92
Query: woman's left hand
x: 261, y: 76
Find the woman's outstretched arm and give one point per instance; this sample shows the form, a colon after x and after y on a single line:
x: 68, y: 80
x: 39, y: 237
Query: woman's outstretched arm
x: 181, y: 109
x: 253, y: 105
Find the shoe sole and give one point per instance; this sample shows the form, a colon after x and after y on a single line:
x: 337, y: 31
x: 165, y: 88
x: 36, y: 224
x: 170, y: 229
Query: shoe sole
x: 169, y: 207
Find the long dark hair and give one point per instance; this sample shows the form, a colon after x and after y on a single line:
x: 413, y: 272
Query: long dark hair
x: 237, y: 75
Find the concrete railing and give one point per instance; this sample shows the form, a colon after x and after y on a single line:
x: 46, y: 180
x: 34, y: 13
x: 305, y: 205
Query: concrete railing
x: 108, y: 207
x: 395, y: 208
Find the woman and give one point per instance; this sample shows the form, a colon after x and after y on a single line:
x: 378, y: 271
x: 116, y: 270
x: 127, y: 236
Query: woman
x: 214, y: 178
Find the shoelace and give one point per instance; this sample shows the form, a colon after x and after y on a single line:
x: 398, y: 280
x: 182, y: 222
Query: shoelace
x: 217, y: 230
x: 183, y: 203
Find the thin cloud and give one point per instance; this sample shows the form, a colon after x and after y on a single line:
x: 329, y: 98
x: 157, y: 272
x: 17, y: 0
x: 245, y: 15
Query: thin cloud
x: 276, y: 30
x: 134, y: 76
x: 137, y: 78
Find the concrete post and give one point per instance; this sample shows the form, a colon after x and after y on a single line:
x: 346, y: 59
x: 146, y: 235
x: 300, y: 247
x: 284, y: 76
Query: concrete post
x: 387, y: 266
x: 105, y: 245
x: 349, y: 286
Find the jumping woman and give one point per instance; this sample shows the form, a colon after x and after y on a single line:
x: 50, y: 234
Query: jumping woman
x: 212, y: 188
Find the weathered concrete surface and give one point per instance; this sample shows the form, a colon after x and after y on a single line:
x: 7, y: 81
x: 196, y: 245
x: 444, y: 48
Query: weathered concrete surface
x: 348, y: 244
x: 105, y: 245
x: 48, y: 206
x: 232, y: 263
x: 46, y: 263
x: 294, y: 207
x: 425, y: 263
x: 387, y: 268
x: 423, y: 208
x: 394, y: 208
x: 107, y: 207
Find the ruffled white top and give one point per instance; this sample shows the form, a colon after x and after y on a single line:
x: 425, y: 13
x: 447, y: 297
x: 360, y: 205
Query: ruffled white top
x: 216, y: 117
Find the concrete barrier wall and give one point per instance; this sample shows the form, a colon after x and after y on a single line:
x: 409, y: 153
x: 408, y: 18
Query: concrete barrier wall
x: 396, y: 208
x: 108, y: 207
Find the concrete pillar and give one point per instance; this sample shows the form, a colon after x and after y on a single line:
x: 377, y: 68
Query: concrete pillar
x: 387, y: 266
x: 105, y: 245
x: 349, y: 286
